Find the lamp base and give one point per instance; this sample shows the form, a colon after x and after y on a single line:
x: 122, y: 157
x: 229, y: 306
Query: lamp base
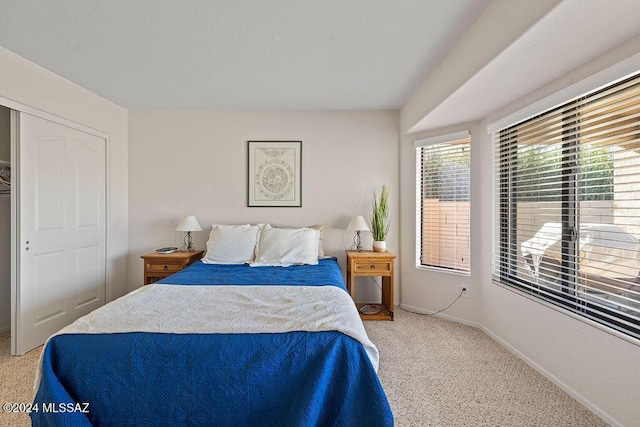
x: 187, y: 243
x: 357, y: 244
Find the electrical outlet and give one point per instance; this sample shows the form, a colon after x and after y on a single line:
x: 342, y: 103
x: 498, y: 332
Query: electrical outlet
x: 465, y: 290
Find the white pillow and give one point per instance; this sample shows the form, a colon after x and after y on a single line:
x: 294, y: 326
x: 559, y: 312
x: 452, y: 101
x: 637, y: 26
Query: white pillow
x: 287, y: 246
x: 320, y: 229
x: 231, y: 244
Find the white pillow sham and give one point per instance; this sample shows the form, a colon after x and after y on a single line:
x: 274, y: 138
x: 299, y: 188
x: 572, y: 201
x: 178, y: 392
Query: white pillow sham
x: 287, y: 246
x: 320, y: 229
x: 232, y: 244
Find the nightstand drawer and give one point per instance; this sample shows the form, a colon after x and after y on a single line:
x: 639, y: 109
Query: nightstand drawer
x: 164, y: 267
x: 158, y: 266
x: 373, y: 267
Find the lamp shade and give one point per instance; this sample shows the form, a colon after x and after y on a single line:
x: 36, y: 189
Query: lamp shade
x: 358, y: 224
x: 189, y: 223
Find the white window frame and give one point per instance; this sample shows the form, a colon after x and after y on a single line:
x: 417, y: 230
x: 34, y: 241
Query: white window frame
x: 419, y: 144
x: 604, y: 78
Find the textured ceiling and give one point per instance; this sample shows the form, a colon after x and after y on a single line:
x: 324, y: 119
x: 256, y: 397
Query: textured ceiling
x: 240, y: 54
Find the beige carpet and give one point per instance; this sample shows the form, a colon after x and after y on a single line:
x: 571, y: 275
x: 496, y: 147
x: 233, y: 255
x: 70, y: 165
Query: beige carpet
x: 435, y: 373
x: 441, y: 373
x: 16, y: 377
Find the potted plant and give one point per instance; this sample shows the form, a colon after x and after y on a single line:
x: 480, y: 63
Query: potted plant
x: 380, y: 219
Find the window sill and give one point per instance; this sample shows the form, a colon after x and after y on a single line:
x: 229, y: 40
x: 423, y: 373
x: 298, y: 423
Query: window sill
x: 444, y: 270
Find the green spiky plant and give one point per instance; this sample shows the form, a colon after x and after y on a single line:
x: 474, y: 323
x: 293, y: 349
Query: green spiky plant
x: 380, y: 214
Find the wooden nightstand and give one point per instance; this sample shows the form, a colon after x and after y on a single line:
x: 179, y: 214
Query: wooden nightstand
x: 158, y: 266
x: 369, y: 263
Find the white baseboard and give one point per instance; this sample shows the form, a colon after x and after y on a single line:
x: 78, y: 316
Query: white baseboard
x: 5, y: 328
x: 571, y: 392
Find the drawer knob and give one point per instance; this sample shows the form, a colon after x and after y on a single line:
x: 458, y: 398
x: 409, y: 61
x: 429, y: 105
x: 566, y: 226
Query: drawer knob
x: 164, y: 268
x: 373, y: 267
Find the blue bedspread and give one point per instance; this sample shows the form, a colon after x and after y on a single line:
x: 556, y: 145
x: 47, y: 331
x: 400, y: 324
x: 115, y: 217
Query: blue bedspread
x: 327, y: 272
x: 282, y: 379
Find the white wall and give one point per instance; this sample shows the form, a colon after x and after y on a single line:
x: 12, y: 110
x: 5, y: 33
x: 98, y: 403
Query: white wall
x: 426, y: 290
x: 5, y: 226
x: 502, y: 22
x: 26, y: 83
x: 599, y: 369
x: 195, y: 163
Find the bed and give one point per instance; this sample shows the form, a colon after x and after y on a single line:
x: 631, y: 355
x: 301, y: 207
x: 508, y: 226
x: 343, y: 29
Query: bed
x: 218, y: 345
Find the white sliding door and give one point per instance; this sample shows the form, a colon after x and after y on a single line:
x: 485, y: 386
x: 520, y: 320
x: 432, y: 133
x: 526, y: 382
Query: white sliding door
x: 61, y: 230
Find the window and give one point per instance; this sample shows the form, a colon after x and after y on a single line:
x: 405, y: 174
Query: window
x: 442, y: 202
x: 567, y: 215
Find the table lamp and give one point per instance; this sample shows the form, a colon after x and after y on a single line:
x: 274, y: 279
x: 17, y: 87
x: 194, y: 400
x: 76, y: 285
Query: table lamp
x: 188, y: 224
x: 357, y: 224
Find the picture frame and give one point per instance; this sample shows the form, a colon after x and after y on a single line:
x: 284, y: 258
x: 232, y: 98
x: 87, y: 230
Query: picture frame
x: 274, y: 174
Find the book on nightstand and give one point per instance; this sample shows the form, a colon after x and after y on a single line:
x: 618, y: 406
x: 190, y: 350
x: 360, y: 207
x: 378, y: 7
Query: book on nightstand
x: 167, y: 250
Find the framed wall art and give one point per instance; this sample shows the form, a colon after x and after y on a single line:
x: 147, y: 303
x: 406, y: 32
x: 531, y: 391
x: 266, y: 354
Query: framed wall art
x: 275, y: 174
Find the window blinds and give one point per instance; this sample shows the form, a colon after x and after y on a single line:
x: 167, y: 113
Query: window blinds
x: 567, y: 218
x: 443, y: 202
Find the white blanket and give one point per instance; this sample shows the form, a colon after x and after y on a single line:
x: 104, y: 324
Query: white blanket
x: 227, y: 309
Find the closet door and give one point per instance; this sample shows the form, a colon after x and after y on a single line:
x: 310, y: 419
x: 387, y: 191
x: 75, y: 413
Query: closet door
x: 61, y: 241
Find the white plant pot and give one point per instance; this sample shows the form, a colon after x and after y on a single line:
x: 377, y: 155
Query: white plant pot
x: 379, y: 246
